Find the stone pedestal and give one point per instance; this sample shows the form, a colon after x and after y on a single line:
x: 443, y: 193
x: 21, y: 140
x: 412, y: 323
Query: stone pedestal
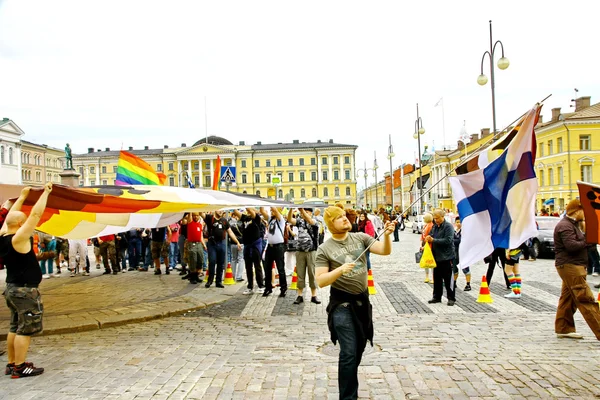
x: 69, y: 177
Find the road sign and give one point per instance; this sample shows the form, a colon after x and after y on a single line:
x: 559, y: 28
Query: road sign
x: 276, y: 180
x: 228, y: 175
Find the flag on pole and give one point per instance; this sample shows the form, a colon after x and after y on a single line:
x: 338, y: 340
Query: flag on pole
x: 495, y: 193
x: 189, y: 181
x: 589, y: 194
x: 132, y: 170
x: 217, y: 175
x: 440, y: 102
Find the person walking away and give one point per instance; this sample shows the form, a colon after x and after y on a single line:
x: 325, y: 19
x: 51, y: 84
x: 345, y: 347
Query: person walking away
x: 77, y: 255
x: 341, y: 262
x: 498, y: 255
x: 306, y: 252
x: 275, y: 252
x: 217, y: 228
x: 511, y: 269
x: 427, y: 226
x: 159, y: 247
x: 237, y: 257
x: 121, y: 244
x: 441, y: 240
x: 23, y: 275
x: 466, y: 270
x: 134, y: 249
x: 570, y: 249
x: 253, y: 242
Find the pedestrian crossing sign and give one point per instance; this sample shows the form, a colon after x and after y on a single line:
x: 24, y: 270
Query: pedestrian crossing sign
x: 228, y: 175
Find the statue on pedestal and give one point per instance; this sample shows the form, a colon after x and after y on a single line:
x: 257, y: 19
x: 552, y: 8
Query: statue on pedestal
x: 68, y: 157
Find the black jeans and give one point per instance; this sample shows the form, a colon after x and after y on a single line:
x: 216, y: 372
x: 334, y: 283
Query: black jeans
x: 216, y: 255
x: 275, y: 254
x: 252, y: 258
x: 498, y: 254
x: 442, y: 276
x: 351, y: 351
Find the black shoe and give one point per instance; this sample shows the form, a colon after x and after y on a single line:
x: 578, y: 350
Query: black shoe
x: 207, y: 285
x: 299, y: 300
x: 467, y: 288
x: 106, y: 273
x: 25, y: 370
x: 115, y: 273
x: 240, y: 280
x: 315, y: 300
x: 220, y: 285
x: 9, y: 369
x: 157, y: 272
x: 130, y: 269
x: 597, y: 285
x: 168, y: 272
x: 432, y: 301
x: 451, y: 302
x: 182, y: 273
x: 282, y: 293
x: 267, y: 292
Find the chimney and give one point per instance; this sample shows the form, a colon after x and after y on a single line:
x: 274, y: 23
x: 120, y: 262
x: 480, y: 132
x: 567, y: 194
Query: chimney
x: 541, y: 119
x: 296, y: 141
x: 99, y: 149
x: 130, y: 148
x: 90, y: 149
x: 555, y: 114
x: 460, y: 145
x: 474, y: 138
x: 145, y: 147
x: 582, y: 102
x: 319, y: 141
x: 330, y: 140
x: 107, y: 149
x: 485, y: 132
x: 166, y: 147
x: 182, y: 144
x: 258, y: 143
x: 242, y: 143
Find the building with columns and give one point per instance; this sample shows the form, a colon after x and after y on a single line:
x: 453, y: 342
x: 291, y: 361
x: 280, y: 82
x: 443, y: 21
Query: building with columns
x: 10, y: 152
x: 322, y: 169
x: 40, y: 163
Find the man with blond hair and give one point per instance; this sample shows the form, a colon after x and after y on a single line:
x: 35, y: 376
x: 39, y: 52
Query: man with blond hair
x: 23, y: 275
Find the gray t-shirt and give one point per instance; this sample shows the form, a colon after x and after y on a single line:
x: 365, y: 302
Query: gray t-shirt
x: 333, y: 253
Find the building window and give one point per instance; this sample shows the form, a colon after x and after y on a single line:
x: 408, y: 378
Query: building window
x: 92, y: 183
x: 185, y: 165
x: 92, y: 169
x: 104, y: 182
x: 541, y: 149
x: 207, y: 165
x: 258, y: 193
x: 10, y: 155
x: 336, y: 160
x: 301, y: 176
x: 550, y: 148
x: 346, y: 160
x: 171, y: 165
x: 159, y: 167
x: 336, y: 191
x: 267, y: 163
x: 269, y: 177
x: 103, y: 169
x: 302, y: 161
x: 243, y: 163
x: 280, y: 194
x: 291, y: 177
x: 196, y: 165
x: 348, y: 192
x: 28, y: 175
x: 81, y: 183
x: 115, y: 169
x: 584, y: 142
x: 171, y: 181
x: 290, y: 162
x: 550, y: 176
x: 586, y: 173
x: 313, y: 176
x: 291, y: 193
x: 325, y: 192
x: 559, y: 146
x: 541, y: 177
x: 49, y: 177
x: 324, y: 175
x: 256, y: 178
x: 244, y: 178
x: 228, y: 163
x: 313, y: 161
x: 2, y: 154
x: 207, y: 181
x: 336, y: 175
x: 314, y: 192
x: 347, y: 174
x: 302, y: 193
x: 256, y: 163
x: 197, y: 180
x: 81, y: 171
x: 560, y: 176
x: 279, y: 162
x: 324, y: 160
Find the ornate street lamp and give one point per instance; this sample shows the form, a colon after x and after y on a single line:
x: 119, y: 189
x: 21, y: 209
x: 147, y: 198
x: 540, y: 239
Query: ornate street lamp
x: 419, y: 130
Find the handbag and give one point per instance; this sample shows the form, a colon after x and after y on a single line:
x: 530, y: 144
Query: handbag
x: 427, y: 260
x: 418, y: 256
x: 292, y: 245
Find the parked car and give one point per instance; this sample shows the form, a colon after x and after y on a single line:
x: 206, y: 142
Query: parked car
x: 543, y: 243
x: 417, y: 224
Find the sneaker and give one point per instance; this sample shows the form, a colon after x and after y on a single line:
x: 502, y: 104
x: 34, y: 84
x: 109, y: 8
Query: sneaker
x: 168, y: 271
x: 315, y: 300
x: 46, y: 276
x: 451, y: 302
x: 9, y: 369
x: 123, y: 270
x: 72, y: 274
x: 512, y: 295
x: 130, y: 269
x: 572, y: 335
x: 86, y: 274
x: 260, y: 290
x: 248, y: 291
x: 97, y: 266
x: 106, y: 273
x: 25, y: 370
x: 299, y: 300
x: 467, y: 288
x: 115, y: 272
x: 157, y: 272
x: 142, y: 269
x: 239, y: 280
x: 595, y: 274
x: 426, y: 280
x: 58, y: 272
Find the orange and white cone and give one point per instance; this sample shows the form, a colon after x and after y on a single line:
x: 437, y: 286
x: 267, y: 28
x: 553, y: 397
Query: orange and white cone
x: 294, y: 285
x: 484, y: 292
x: 598, y: 299
x: 275, y: 275
x: 371, y: 283
x: 229, y: 276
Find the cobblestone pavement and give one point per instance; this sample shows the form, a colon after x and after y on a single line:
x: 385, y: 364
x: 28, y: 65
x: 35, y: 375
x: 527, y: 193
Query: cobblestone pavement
x: 250, y: 347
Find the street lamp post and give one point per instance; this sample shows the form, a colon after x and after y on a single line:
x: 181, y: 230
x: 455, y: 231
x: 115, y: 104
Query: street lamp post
x: 503, y: 63
x: 365, y: 172
x: 419, y: 130
x: 375, y: 166
x: 390, y: 156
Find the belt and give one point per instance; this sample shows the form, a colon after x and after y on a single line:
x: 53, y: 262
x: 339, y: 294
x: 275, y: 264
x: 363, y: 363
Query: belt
x: 276, y: 244
x: 27, y: 285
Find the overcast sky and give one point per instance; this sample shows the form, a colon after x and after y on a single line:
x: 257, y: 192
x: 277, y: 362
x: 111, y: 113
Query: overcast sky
x: 136, y: 73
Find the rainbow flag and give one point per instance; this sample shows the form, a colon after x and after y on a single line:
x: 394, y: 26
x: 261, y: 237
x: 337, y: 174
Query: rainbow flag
x: 132, y: 170
x: 217, y: 175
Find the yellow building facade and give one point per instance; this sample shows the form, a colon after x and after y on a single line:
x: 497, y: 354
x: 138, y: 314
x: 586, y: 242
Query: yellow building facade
x: 40, y: 163
x: 305, y: 170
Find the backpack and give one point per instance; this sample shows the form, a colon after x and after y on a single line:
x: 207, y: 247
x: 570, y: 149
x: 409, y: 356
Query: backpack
x: 306, y: 235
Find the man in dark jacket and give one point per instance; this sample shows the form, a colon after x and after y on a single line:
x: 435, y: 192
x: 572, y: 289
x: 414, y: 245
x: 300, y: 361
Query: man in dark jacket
x: 441, y: 240
x: 570, y: 248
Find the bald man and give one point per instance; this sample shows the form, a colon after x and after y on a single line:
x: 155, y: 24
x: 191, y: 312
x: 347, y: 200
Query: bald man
x: 23, y: 275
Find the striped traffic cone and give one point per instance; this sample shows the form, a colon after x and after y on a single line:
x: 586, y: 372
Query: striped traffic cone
x: 205, y: 276
x: 275, y: 276
x: 371, y: 283
x: 294, y: 285
x: 484, y: 292
x: 598, y: 299
x: 229, y: 276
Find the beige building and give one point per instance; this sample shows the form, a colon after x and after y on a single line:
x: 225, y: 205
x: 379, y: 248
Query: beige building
x: 10, y: 152
x: 40, y: 163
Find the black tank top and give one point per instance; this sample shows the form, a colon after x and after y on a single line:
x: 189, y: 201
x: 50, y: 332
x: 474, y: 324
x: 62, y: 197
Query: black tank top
x: 20, y: 268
